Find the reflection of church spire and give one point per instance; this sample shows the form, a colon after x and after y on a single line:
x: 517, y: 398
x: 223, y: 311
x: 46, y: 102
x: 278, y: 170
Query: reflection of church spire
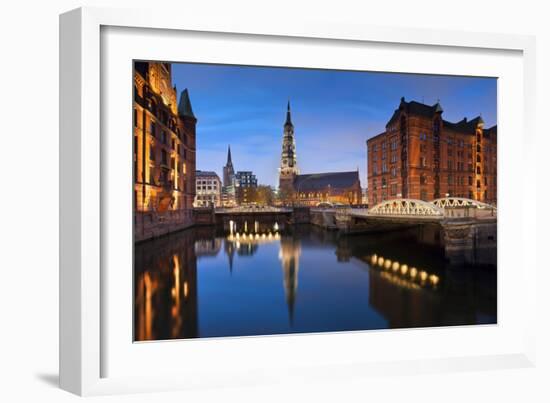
x: 230, y: 252
x: 291, y: 280
x: 289, y: 254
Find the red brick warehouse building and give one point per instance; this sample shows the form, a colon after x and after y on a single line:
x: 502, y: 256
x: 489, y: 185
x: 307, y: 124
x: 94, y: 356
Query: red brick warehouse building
x: 422, y: 156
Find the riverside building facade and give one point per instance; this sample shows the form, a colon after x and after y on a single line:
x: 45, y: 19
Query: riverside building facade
x: 208, y: 188
x: 420, y: 155
x: 164, y: 134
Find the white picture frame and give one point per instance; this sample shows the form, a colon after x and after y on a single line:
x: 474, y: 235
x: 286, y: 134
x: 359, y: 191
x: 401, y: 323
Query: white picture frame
x: 84, y: 192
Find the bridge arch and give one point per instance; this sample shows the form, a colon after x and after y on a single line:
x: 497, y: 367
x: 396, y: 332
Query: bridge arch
x: 407, y: 207
x: 457, y: 202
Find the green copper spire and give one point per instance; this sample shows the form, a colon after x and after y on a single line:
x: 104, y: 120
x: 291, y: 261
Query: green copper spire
x: 184, y: 106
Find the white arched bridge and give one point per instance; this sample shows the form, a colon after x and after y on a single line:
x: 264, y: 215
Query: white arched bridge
x: 439, y: 209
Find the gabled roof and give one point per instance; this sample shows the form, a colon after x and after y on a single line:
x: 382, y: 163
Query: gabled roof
x: 464, y: 126
x: 319, y: 181
x: 416, y: 108
x: 205, y: 173
x: 490, y: 132
x: 184, y: 106
x: 374, y: 137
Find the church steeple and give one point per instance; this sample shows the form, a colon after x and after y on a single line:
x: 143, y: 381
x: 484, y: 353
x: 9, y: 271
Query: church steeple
x: 288, y: 119
x: 228, y: 171
x: 229, y: 155
x: 289, y: 166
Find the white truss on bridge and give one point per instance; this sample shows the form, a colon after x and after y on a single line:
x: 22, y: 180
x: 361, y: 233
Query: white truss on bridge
x: 456, y: 202
x: 407, y: 207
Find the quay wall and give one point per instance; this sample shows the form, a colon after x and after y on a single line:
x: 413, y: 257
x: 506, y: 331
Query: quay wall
x: 150, y: 224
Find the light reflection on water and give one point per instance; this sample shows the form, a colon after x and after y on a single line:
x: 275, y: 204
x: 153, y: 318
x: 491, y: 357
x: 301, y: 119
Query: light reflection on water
x: 197, y: 283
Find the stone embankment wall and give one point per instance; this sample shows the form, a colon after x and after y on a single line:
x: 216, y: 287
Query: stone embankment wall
x: 148, y: 225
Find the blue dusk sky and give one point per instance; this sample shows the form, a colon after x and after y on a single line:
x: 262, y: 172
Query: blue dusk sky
x: 333, y: 112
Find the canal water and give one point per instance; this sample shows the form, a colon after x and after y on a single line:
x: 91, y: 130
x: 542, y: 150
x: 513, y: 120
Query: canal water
x: 202, y: 283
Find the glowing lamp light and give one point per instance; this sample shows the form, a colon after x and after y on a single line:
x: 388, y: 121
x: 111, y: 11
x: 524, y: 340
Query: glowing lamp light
x: 387, y: 264
x: 374, y: 259
x: 413, y: 272
x: 404, y: 269
x: 423, y: 275
x: 395, y: 266
x: 185, y: 289
x: 434, y: 279
x: 380, y: 261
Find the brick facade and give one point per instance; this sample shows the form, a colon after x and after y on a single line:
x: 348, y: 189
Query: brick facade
x: 422, y: 156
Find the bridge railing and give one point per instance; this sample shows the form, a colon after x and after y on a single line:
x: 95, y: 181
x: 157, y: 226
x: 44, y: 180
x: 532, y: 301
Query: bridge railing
x: 270, y: 209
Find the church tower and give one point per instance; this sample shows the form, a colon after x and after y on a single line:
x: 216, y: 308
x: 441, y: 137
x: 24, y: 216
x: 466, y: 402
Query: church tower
x: 228, y: 171
x: 289, y: 167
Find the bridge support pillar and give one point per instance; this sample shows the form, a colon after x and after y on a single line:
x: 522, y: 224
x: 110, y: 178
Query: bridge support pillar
x: 459, y: 241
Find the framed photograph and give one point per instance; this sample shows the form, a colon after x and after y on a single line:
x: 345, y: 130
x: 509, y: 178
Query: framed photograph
x: 297, y: 201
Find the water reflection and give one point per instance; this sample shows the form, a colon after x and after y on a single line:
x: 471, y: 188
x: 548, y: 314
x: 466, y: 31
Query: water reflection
x: 289, y: 255
x: 199, y: 283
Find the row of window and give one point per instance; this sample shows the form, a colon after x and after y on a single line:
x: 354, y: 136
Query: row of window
x: 424, y: 137
x: 424, y: 195
x: 207, y: 182
x: 213, y: 187
x: 163, y: 137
